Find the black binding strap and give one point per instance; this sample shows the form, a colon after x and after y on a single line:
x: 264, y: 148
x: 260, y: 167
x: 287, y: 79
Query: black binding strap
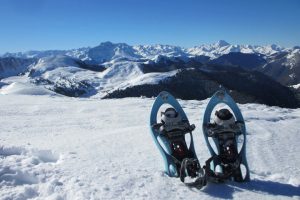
x: 191, y: 167
x: 220, y: 177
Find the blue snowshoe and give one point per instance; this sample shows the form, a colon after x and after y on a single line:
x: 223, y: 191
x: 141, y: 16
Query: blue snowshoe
x: 226, y: 160
x: 169, y: 135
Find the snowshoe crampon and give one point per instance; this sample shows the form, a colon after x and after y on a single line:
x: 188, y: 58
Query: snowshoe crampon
x: 222, y: 135
x: 169, y: 134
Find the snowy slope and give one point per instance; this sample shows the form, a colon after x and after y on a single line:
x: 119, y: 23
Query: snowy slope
x: 69, y: 148
x: 26, y: 89
x: 124, y: 74
x: 63, y: 74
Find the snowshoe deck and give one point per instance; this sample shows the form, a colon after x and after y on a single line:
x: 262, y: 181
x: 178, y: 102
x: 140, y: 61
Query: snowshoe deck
x: 171, y: 141
x: 226, y: 141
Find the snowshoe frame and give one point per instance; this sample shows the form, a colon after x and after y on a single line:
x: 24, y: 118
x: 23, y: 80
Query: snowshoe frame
x: 221, y: 96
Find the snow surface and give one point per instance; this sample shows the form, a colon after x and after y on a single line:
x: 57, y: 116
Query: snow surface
x: 297, y: 86
x: 26, y: 88
x: 72, y: 148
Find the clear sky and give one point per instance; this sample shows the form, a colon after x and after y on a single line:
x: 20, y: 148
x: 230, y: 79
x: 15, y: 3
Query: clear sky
x: 65, y: 24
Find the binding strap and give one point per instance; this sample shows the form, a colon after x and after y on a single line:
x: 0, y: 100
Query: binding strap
x: 191, y: 168
x: 220, y: 177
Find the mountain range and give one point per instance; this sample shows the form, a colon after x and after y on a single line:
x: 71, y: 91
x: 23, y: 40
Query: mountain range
x: 263, y: 74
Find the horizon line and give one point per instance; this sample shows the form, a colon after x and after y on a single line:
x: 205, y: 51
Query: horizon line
x: 153, y: 44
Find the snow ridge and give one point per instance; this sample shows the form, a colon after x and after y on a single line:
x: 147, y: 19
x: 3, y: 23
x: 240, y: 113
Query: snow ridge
x: 107, y: 51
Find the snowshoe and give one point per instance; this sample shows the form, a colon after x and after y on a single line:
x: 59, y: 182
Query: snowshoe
x: 226, y: 160
x: 169, y: 135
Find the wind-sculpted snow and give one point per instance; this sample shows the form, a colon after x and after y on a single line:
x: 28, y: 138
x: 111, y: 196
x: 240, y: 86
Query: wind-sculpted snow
x: 27, y: 173
x: 69, y: 148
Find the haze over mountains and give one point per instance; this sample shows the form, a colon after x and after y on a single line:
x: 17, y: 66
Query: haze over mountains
x: 263, y: 74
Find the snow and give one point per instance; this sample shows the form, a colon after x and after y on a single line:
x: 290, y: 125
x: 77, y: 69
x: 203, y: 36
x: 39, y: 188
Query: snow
x: 51, y: 63
x: 292, y: 76
x: 63, y: 70
x: 25, y: 89
x: 292, y: 59
x: 107, y: 51
x: 149, y: 78
x: 72, y: 148
x: 20, y: 85
x: 222, y: 47
x: 120, y: 75
x: 151, y: 51
x: 297, y: 86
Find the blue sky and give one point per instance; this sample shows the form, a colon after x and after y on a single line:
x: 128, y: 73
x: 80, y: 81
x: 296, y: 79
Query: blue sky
x: 62, y: 24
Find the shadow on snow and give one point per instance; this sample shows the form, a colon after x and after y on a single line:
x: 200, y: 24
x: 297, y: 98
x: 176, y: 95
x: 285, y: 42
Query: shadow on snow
x: 226, y: 191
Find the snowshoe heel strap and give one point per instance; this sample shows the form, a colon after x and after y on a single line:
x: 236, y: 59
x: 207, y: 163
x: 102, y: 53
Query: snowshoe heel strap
x: 191, y: 168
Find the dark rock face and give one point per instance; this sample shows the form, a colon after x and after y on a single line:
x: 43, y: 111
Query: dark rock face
x: 246, y: 61
x: 10, y: 66
x: 244, y: 86
x: 78, y: 89
x: 68, y: 87
x: 165, y: 64
x: 91, y: 67
x: 283, y: 69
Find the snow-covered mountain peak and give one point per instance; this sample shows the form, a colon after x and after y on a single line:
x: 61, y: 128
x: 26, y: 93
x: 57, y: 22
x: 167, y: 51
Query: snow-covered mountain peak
x: 275, y: 47
x: 296, y: 47
x: 221, y: 43
x: 150, y: 51
x: 107, y: 51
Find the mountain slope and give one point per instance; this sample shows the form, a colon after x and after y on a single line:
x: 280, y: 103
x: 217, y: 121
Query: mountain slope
x: 248, y: 61
x: 202, y: 83
x: 11, y: 66
x: 108, y: 67
x: 284, y: 67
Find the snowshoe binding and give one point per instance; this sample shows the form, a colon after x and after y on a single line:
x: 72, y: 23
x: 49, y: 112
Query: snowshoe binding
x: 169, y: 136
x: 226, y: 160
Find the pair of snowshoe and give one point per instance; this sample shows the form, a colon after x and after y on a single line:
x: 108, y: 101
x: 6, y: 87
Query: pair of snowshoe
x: 172, y: 134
